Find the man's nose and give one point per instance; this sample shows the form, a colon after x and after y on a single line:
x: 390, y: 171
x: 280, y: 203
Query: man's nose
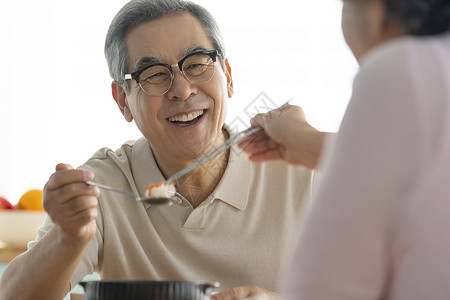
x: 181, y: 87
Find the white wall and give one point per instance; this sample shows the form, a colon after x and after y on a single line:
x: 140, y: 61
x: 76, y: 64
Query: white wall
x: 55, y: 103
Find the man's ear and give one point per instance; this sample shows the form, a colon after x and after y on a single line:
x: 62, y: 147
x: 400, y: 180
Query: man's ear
x: 229, y: 79
x: 120, y: 97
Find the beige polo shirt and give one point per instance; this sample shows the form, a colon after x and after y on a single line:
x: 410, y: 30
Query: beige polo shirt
x: 238, y: 236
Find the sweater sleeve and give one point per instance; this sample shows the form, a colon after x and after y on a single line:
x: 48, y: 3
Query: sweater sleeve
x: 345, y: 247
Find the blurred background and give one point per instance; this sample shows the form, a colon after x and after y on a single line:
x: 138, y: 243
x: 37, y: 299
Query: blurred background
x: 56, y: 104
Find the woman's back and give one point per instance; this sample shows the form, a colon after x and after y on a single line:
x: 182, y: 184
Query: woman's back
x: 423, y: 269
x: 379, y: 225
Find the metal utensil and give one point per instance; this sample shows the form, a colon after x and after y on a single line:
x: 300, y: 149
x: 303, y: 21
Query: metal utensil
x: 213, y: 153
x: 216, y: 151
x: 161, y: 200
x: 149, y: 200
x: 210, y: 155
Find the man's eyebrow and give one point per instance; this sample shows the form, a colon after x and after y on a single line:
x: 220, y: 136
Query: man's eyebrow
x: 150, y: 60
x: 145, y: 61
x: 193, y: 50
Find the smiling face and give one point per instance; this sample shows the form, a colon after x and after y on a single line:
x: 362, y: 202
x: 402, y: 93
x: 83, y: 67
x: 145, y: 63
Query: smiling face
x: 188, y: 119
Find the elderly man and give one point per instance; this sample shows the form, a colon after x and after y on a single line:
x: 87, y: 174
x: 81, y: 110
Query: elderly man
x: 235, y: 218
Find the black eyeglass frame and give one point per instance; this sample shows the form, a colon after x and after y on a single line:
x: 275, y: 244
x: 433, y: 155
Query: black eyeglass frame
x: 135, y: 75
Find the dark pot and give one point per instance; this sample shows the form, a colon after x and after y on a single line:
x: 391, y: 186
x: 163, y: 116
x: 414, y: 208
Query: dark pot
x: 146, y: 290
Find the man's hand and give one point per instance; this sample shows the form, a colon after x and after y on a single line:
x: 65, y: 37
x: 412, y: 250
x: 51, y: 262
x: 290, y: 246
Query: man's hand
x: 72, y: 204
x: 245, y: 292
x: 48, y: 266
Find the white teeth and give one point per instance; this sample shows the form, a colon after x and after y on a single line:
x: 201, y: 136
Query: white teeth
x: 186, y: 118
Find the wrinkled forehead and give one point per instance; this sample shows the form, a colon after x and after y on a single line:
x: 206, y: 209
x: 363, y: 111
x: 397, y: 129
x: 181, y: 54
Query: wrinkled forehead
x: 166, y: 39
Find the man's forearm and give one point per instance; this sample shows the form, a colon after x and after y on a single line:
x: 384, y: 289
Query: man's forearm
x: 43, y: 272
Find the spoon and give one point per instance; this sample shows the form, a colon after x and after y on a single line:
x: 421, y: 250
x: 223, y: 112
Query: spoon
x: 219, y: 149
x: 210, y: 155
x: 148, y: 200
x: 162, y: 200
x: 213, y: 153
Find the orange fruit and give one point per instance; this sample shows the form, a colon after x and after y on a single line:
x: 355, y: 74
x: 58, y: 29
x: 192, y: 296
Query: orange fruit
x: 31, y: 200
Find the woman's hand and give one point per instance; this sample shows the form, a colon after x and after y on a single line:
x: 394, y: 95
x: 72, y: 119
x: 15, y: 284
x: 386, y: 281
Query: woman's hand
x: 286, y: 136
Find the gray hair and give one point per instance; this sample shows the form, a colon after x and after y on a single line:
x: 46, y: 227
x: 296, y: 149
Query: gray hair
x: 137, y: 12
x: 420, y: 17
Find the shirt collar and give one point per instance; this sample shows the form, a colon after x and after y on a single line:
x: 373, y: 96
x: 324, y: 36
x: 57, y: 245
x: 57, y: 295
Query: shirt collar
x: 232, y: 188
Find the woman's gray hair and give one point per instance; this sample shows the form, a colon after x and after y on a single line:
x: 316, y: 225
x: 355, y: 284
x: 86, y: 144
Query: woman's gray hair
x: 137, y: 12
x: 420, y: 17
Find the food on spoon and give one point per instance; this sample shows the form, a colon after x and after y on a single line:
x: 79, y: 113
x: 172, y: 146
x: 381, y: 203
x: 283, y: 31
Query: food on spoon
x: 160, y: 190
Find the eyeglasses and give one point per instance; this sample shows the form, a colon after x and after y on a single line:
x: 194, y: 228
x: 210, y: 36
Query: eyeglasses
x: 157, y: 79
